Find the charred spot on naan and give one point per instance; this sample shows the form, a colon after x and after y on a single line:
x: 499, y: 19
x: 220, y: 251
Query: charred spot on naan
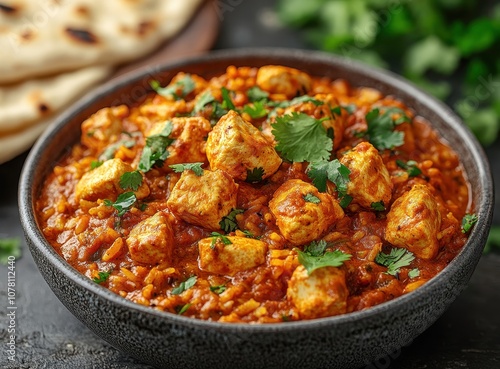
x: 8, y: 9
x: 81, y: 35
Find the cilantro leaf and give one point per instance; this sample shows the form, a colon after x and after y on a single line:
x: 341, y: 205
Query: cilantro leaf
x: 183, y: 286
x: 195, y: 167
x: 102, y: 276
x: 227, y: 103
x: 204, y: 99
x: 155, y: 152
x: 182, y: 309
x: 378, y: 206
x: 218, y: 289
x: 381, y: 128
x: 95, y: 164
x: 468, y: 221
x: 257, y: 110
x: 186, y: 85
x: 123, y: 203
x: 255, y: 175
x: 109, y: 152
x: 296, y: 101
x: 131, y: 180
x: 410, y: 166
x: 9, y: 247
x: 217, y: 236
x: 314, y: 257
x: 309, y: 197
x: 414, y: 273
x: 395, y: 260
x: 333, y: 171
x: 254, y: 94
x: 301, y: 138
x: 228, y: 223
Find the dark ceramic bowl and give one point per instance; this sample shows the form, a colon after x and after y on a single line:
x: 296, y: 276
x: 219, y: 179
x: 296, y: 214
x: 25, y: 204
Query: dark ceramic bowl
x: 172, y: 341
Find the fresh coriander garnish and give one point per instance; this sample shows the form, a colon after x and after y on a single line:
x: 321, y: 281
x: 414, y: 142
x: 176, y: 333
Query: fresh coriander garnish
x: 195, y: 167
x: 256, y: 94
x: 155, y: 152
x: 410, y: 166
x: 218, y: 289
x: 227, y: 103
x: 205, y: 98
x: 256, y: 110
x: 182, y: 309
x: 218, y: 236
x: 95, y: 164
x: 9, y: 247
x: 381, y: 126
x: 301, y: 138
x: 378, y: 206
x: 334, y: 171
x: 186, y: 85
x: 295, y: 101
x: 309, y: 197
x: 109, y: 152
x: 395, y: 260
x: 228, y: 223
x: 102, y: 277
x: 131, y: 180
x: 350, y: 109
x: 255, y: 175
x: 414, y: 273
x: 249, y: 234
x: 468, y: 221
x: 123, y: 203
x: 315, y: 256
x: 183, y: 286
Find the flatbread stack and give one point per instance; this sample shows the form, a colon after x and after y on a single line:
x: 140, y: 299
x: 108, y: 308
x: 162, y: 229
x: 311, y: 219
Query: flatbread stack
x: 52, y: 51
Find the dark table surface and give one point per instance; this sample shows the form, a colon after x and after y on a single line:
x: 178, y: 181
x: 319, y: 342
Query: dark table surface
x: 49, y: 336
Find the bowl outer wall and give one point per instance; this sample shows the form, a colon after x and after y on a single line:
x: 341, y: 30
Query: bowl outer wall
x: 167, y: 340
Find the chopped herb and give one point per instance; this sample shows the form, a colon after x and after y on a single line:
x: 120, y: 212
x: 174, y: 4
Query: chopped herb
x: 217, y: 236
x: 350, y: 109
x: 155, y: 152
x: 309, y: 197
x: 123, y: 203
x: 296, y: 101
x: 255, y: 175
x: 102, y: 277
x: 249, y: 234
x: 468, y: 221
x: 315, y: 256
x: 218, y: 289
x: 95, y: 164
x: 256, y: 94
x: 205, y: 98
x: 109, y: 153
x: 228, y: 223
x: 227, y: 103
x: 131, y: 180
x: 9, y: 247
x: 182, y: 309
x: 381, y: 126
x: 414, y: 273
x: 186, y: 85
x: 378, y: 206
x: 410, y: 166
x: 195, y: 167
x: 183, y: 286
x: 334, y: 171
x: 301, y: 138
x: 256, y: 110
x: 142, y: 206
x: 395, y: 260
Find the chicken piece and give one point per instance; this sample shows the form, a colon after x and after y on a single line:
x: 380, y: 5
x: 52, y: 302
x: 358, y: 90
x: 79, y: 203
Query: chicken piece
x: 369, y: 181
x: 152, y: 240
x: 237, y: 147
x: 203, y: 200
x: 414, y: 222
x: 302, y: 212
x: 103, y: 127
x: 277, y: 79
x: 241, y: 254
x: 103, y: 182
x: 323, y: 293
x: 189, y: 136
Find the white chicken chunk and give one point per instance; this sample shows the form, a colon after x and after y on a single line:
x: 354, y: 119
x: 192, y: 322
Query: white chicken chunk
x: 323, y: 293
x: 369, y: 180
x: 189, y: 134
x: 152, y: 240
x: 203, y: 200
x: 302, y: 212
x: 103, y: 127
x: 414, y: 222
x: 103, y: 182
x: 241, y: 254
x: 277, y: 79
x: 237, y: 147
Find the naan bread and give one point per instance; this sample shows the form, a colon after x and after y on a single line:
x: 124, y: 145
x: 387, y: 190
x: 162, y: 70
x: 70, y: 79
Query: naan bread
x: 44, y: 37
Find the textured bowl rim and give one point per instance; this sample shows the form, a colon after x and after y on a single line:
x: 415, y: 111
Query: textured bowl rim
x: 484, y: 206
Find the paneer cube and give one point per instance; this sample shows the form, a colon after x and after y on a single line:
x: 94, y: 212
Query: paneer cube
x: 414, y: 222
x: 237, y: 147
x: 103, y: 127
x: 302, y: 212
x: 103, y: 182
x: 241, y: 254
x: 286, y: 81
x: 203, y: 200
x: 369, y: 180
x: 323, y: 293
x: 189, y: 134
x: 152, y: 240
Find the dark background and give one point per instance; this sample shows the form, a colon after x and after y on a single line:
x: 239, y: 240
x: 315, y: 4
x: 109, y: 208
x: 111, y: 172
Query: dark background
x: 48, y: 336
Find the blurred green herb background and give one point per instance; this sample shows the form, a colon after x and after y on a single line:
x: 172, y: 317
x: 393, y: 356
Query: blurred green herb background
x: 450, y: 48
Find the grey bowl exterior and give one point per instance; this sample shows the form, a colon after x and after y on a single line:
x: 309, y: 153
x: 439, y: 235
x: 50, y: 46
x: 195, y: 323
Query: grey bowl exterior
x: 170, y: 341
